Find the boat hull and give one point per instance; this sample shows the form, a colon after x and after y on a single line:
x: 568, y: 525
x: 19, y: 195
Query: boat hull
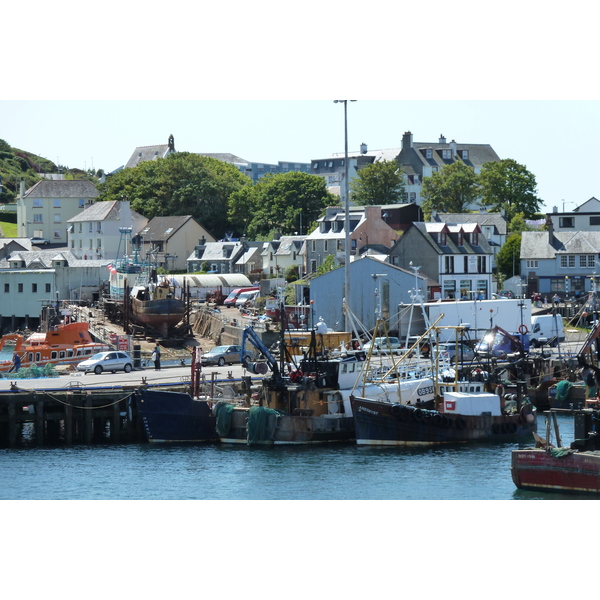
x: 536, y: 469
x: 387, y: 424
x: 162, y: 314
x: 279, y: 429
x: 175, y: 417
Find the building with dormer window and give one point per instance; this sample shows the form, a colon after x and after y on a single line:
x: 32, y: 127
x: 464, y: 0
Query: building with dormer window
x: 457, y: 257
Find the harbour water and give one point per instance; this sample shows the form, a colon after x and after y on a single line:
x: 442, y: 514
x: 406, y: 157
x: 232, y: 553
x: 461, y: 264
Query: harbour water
x: 217, y: 472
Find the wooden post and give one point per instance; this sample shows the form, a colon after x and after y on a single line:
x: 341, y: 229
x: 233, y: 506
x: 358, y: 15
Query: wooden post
x: 87, y: 420
x: 115, y: 423
x: 12, y: 423
x: 39, y: 422
x: 69, y: 419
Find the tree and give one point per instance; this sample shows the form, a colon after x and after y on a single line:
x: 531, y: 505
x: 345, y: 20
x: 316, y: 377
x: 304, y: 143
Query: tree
x: 517, y: 224
x: 278, y: 203
x: 509, y: 185
x: 378, y: 183
x: 180, y: 184
x: 451, y: 189
x: 329, y: 264
x: 508, y: 259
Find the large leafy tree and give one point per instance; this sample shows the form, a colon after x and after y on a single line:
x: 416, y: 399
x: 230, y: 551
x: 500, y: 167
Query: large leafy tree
x: 451, y: 189
x: 378, y: 183
x: 183, y: 183
x: 279, y: 202
x: 508, y: 259
x: 509, y: 185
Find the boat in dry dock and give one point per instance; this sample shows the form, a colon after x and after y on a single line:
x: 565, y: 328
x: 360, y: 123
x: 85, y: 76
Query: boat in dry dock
x: 573, y: 469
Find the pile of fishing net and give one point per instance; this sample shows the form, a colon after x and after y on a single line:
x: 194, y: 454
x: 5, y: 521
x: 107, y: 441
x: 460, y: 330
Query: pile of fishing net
x: 32, y: 372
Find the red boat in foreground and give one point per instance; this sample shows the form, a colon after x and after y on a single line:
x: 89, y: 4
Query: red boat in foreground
x: 573, y: 469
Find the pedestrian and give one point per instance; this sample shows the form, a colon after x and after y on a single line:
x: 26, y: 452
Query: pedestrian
x: 156, y: 358
x: 16, y: 363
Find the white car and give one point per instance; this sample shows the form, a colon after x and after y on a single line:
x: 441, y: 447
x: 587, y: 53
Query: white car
x: 38, y: 241
x: 106, y: 361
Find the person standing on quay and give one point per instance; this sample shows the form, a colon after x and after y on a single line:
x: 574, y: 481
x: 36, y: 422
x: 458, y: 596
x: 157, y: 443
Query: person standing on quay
x: 156, y: 358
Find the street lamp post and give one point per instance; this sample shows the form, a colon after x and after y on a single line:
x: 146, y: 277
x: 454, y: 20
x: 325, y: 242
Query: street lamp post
x: 346, y: 207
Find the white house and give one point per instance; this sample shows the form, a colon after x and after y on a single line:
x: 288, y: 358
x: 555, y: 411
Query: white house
x: 95, y: 232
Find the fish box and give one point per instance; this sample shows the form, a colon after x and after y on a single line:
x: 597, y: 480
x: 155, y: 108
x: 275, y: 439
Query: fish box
x: 464, y: 403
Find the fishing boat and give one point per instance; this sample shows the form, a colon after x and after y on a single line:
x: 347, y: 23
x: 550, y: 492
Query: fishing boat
x: 572, y: 469
x: 62, y: 344
x: 298, y: 403
x: 465, y: 410
x: 149, y: 299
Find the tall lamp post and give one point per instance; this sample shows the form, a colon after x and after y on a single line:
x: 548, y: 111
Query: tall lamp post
x: 347, y: 207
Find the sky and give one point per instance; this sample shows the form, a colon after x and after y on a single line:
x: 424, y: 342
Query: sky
x: 557, y: 140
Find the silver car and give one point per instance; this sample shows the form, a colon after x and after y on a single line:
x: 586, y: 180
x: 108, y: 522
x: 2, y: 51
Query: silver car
x: 106, y: 361
x: 224, y: 354
x: 450, y: 351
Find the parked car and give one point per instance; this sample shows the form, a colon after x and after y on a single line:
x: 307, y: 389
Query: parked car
x: 383, y: 345
x: 106, y: 361
x: 235, y: 294
x: 38, y: 241
x: 224, y: 355
x: 246, y: 299
x: 450, y: 351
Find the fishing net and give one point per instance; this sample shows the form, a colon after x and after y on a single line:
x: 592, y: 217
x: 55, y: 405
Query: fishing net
x: 223, y: 411
x: 258, y: 419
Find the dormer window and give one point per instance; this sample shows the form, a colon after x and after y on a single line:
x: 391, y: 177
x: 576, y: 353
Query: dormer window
x: 475, y: 239
x: 461, y: 239
x: 442, y: 239
x: 465, y: 155
x: 428, y: 153
x: 446, y: 154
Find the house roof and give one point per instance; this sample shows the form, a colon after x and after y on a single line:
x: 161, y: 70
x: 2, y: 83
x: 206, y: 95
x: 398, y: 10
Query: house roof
x: 163, y: 228
x: 536, y: 244
x: 144, y: 153
x: 495, y: 219
x: 65, y: 188
x: 427, y: 230
x: 99, y: 211
x: 46, y: 257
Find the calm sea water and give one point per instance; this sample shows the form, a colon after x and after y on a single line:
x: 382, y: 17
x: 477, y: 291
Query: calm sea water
x: 213, y: 472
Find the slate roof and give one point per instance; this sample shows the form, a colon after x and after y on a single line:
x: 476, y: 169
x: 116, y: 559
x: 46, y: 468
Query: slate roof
x: 495, y: 219
x: 46, y: 257
x: 99, y: 211
x: 144, y: 153
x: 429, y: 229
x: 66, y: 188
x: 536, y: 244
x: 164, y: 228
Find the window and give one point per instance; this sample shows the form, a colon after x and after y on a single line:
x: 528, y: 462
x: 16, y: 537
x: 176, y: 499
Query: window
x: 566, y: 222
x: 20, y: 288
x: 460, y: 240
x: 57, y: 234
x: 80, y: 227
x: 38, y: 218
x: 48, y: 288
x: 340, y: 247
x: 449, y: 264
x: 81, y: 203
x: 7, y: 288
x: 57, y: 218
x: 446, y: 154
x: 475, y: 239
x: 90, y: 227
x: 314, y: 246
x: 466, y: 264
x: 412, y: 197
x: 465, y: 154
x: 428, y: 153
x: 34, y: 288
x: 325, y: 247
x: 481, y: 264
x: 37, y: 203
x: 443, y: 241
x: 587, y: 260
x: 57, y: 203
x: 315, y: 165
x: 594, y: 220
x: 532, y: 264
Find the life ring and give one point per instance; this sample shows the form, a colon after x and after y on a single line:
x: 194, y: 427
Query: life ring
x: 523, y: 329
x: 395, y: 410
x: 437, y: 420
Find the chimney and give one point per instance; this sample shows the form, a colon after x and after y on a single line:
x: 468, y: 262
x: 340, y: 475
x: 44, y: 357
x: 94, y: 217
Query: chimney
x: 453, y: 147
x: 442, y: 139
x: 555, y: 209
x: 407, y: 141
x: 22, y: 188
x: 363, y: 148
x: 550, y: 226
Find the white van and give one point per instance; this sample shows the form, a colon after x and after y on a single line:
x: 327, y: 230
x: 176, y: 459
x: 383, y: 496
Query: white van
x: 546, y: 329
x: 244, y: 297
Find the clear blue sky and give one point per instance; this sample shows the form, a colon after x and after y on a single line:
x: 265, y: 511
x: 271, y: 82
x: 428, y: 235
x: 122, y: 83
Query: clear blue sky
x: 556, y: 140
